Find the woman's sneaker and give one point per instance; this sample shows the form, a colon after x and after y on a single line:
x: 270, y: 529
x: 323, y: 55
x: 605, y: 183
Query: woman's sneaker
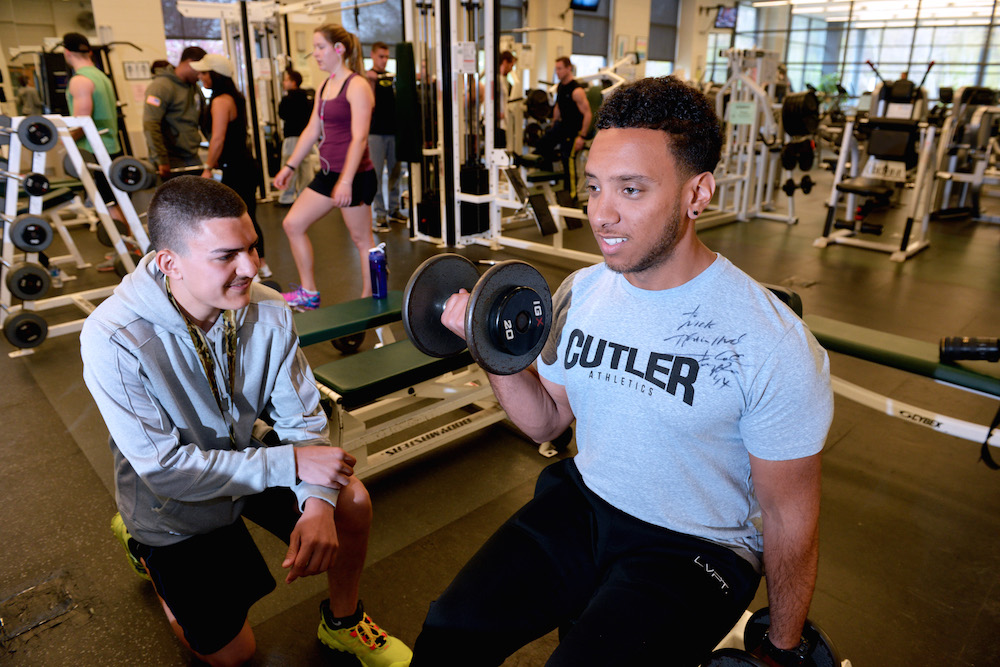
x: 366, y: 641
x: 301, y: 299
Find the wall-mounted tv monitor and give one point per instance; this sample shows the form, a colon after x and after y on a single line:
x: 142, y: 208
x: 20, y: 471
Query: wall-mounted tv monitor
x: 584, y: 5
x: 726, y: 18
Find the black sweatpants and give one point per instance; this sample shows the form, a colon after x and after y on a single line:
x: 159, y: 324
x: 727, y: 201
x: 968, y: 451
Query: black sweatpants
x: 622, y: 591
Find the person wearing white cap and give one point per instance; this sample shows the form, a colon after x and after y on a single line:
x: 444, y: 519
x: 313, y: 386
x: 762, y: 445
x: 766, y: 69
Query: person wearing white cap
x: 227, y: 132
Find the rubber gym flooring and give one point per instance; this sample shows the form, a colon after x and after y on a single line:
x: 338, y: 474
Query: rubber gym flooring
x: 909, y: 564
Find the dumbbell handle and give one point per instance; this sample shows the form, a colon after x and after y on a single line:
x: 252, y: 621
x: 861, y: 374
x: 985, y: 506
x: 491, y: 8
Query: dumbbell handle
x: 455, y: 309
x: 20, y: 177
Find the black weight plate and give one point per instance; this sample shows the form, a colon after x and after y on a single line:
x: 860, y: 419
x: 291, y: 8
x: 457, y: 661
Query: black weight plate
x: 30, y: 233
x: 349, y: 344
x: 426, y: 292
x: 36, y: 185
x: 85, y: 156
x: 823, y: 653
x: 37, y: 133
x: 480, y: 318
x: 537, y: 106
x: 25, y: 330
x: 128, y: 174
x: 732, y: 657
x: 102, y: 232
x: 28, y: 281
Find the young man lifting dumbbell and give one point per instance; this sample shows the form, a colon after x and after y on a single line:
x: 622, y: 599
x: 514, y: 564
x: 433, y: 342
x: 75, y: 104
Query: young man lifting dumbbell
x: 702, y: 404
x: 183, y: 360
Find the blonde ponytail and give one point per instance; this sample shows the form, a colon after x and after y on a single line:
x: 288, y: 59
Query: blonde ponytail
x: 333, y: 33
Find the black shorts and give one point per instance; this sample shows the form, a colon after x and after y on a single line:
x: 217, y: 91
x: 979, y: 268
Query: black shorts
x: 362, y: 190
x: 210, y: 581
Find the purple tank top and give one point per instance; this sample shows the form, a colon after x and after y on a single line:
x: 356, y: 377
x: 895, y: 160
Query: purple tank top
x: 336, y: 117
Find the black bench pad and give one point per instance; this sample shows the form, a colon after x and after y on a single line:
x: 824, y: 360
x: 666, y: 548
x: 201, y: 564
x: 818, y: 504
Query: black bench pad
x: 868, y: 187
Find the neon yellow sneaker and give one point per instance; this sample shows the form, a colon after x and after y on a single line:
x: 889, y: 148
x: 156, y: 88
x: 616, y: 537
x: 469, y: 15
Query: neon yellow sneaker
x: 121, y: 532
x: 366, y: 641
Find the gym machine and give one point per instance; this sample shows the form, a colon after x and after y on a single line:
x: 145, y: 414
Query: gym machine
x: 463, y: 182
x: 967, y: 155
x: 254, y: 34
x: 899, y: 140
x: 744, y: 177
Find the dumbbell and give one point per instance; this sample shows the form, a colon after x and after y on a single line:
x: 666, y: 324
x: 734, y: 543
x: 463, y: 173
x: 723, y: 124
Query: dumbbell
x: 127, y: 173
x: 25, y: 329
x: 801, y: 153
x: 36, y: 133
x: 28, y: 232
x: 35, y: 184
x: 817, y: 650
x: 806, y: 185
x: 507, y: 320
x: 105, y: 239
x: 28, y: 281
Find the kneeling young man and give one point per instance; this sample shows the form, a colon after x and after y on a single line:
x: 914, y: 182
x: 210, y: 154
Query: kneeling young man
x: 702, y: 404
x: 182, y: 361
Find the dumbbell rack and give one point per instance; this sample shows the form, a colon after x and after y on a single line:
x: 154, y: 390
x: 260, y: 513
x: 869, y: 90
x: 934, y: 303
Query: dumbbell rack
x: 85, y: 300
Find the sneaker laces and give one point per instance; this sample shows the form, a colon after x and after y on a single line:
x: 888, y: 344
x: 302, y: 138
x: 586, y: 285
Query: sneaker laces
x: 369, y: 634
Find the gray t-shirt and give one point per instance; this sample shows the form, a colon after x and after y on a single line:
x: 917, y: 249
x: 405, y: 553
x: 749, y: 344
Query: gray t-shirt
x: 672, y: 388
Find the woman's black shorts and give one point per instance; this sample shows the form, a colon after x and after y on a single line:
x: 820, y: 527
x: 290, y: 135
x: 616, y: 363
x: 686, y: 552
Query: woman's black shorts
x: 362, y: 190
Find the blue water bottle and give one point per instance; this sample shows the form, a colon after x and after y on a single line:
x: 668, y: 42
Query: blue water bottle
x: 379, y: 271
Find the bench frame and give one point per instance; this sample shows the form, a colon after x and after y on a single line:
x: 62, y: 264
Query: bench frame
x: 423, y: 404
x: 412, y: 419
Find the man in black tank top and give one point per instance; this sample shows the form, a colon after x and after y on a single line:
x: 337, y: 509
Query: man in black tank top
x: 571, y: 119
x: 382, y: 137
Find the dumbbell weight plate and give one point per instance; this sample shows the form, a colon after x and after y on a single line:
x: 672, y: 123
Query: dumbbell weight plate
x: 823, y: 653
x: 37, y: 133
x: 509, y: 317
x: 36, y: 185
x: 28, y: 281
x: 86, y: 156
x: 128, y: 174
x: 25, y: 330
x: 102, y: 232
x: 30, y: 233
x: 424, y: 298
x: 732, y: 657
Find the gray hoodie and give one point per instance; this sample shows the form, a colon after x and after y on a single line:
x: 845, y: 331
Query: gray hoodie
x: 170, y: 118
x: 177, y: 473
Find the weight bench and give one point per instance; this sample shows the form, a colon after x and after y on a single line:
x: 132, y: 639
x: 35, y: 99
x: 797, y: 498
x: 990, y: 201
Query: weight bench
x: 912, y: 356
x: 392, y: 403
x: 348, y: 318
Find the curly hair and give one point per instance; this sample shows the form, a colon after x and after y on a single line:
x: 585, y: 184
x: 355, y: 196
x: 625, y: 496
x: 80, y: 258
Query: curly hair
x: 182, y: 204
x: 668, y: 104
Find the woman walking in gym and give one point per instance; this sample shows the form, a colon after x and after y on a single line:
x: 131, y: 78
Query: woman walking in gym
x: 227, y: 139
x: 340, y: 120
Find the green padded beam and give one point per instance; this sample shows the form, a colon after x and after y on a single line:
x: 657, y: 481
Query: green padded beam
x: 347, y: 318
x: 907, y: 354
x: 362, y: 378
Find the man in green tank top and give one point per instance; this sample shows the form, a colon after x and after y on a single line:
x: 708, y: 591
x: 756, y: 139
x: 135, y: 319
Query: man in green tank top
x: 90, y: 93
